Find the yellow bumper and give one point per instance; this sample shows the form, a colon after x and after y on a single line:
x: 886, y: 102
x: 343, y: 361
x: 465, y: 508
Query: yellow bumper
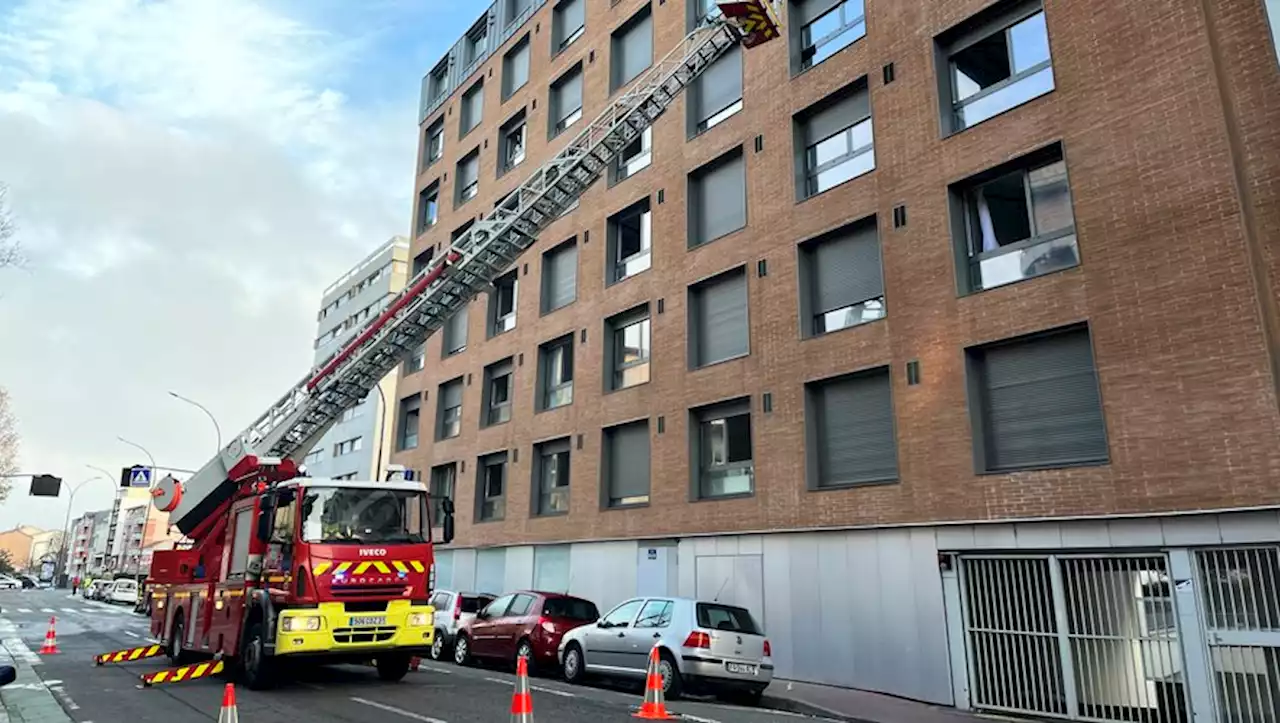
x: 329, y: 628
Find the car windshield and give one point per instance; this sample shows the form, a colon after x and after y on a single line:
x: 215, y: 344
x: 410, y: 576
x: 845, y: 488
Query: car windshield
x: 337, y: 515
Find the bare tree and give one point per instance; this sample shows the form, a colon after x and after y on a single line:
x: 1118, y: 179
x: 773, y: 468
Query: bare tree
x: 10, y: 249
x: 8, y: 445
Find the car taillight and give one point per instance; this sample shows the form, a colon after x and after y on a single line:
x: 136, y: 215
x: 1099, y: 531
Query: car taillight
x: 768, y: 650
x: 698, y: 639
x: 457, y: 610
x: 547, y: 625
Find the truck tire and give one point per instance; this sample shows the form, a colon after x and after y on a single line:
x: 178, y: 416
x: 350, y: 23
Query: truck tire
x: 255, y: 666
x: 392, y: 667
x: 178, y: 654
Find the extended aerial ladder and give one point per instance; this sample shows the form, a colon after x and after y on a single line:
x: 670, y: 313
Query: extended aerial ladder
x: 271, y: 447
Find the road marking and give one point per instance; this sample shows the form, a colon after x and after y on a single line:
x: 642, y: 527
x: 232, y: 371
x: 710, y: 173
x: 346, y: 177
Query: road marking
x: 499, y: 681
x: 697, y: 719
x: 46, y: 610
x: 67, y: 610
x: 393, y: 709
x: 24, y: 610
x: 132, y: 634
x: 552, y: 691
x: 437, y: 670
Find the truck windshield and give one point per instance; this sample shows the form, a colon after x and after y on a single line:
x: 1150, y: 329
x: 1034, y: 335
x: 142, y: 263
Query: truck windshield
x: 336, y: 515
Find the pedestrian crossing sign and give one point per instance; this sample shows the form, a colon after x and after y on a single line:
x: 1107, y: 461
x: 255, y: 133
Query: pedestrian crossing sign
x: 140, y: 477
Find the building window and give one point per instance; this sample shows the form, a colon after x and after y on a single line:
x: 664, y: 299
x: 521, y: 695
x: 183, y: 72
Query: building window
x: 635, y: 157
x: 428, y: 207
x: 699, y: 11
x: 438, y: 82
x: 499, y: 386
x: 491, y: 487
x: 841, y: 280
x: 467, y: 180
x: 839, y: 144
x: 996, y: 61
x: 512, y: 138
x: 477, y: 43
x: 560, y: 276
x: 568, y: 22
x: 631, y: 48
x: 825, y: 28
x: 566, y: 100
x: 471, y: 109
x: 629, y: 349
x: 1037, y: 402
x: 410, y: 411
x: 450, y: 409
x: 716, y: 95
x: 442, y: 486
x: 518, y: 11
x: 1015, y: 221
x: 555, y: 373
x: 551, y: 478
x: 455, y: 333
x: 417, y: 360
x: 718, y: 198
x: 849, y: 430
x: 721, y: 439
x: 350, y: 446
x: 434, y: 146
x: 422, y: 261
x: 626, y: 466
x: 515, y: 68
x: 313, y: 457
x: 718, y: 324
x: 630, y: 241
x: 502, y: 303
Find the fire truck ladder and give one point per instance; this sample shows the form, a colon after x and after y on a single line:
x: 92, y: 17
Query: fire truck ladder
x: 474, y: 261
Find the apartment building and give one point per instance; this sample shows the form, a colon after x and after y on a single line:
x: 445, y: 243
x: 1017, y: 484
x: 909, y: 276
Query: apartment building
x: 354, y: 447
x: 941, y: 335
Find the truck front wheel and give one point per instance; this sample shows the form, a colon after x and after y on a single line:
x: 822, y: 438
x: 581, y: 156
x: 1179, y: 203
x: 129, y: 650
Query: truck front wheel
x: 392, y: 667
x: 255, y: 667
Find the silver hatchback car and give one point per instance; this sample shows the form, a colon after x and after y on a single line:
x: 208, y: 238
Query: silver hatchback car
x: 703, y: 647
x: 453, y: 611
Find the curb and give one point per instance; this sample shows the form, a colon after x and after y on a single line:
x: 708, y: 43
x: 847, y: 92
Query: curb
x: 36, y: 704
x: 792, y: 705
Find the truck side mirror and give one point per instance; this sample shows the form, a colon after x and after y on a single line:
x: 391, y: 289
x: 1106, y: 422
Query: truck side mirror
x: 448, y: 527
x: 266, y: 518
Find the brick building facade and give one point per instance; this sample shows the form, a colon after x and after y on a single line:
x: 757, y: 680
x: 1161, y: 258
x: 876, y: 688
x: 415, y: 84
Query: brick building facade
x: 943, y: 278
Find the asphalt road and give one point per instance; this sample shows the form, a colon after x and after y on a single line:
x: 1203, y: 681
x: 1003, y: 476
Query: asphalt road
x: 439, y: 693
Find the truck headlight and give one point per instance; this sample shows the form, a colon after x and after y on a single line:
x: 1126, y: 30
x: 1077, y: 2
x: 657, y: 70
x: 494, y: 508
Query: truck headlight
x: 419, y: 620
x: 303, y: 623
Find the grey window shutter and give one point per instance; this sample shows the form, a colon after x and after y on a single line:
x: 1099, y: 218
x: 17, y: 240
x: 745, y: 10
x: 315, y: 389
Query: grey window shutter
x: 517, y: 71
x: 835, y: 116
x: 1042, y: 405
x: 629, y: 460
x: 571, y: 17
x: 810, y: 10
x: 722, y: 319
x: 568, y: 94
x: 451, y: 395
x: 469, y: 172
x: 562, y: 277
x: 846, y: 269
x: 720, y: 199
x: 720, y: 85
x: 634, y: 51
x: 455, y: 331
x: 474, y: 106
x: 856, y: 440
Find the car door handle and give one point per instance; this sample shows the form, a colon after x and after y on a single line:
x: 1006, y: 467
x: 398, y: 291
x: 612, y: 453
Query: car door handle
x: 657, y: 636
x: 622, y: 635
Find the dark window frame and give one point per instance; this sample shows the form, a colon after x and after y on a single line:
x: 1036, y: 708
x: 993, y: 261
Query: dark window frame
x: 618, y: 269
x: 805, y: 47
x: 620, y: 37
x: 465, y: 193
x: 499, y: 322
x: 817, y: 429
x: 466, y: 123
x: 574, y: 73
x: 547, y: 386
x: 553, y: 501
x: 813, y: 316
x: 608, y: 439
x: 571, y: 37
x: 547, y: 303
x: 696, y: 299
x: 701, y: 470
x: 696, y: 189
x: 492, y: 507
x: 615, y: 327
x: 524, y: 44
x: 407, y: 407
x: 507, y: 160
x: 501, y: 372
x: 447, y: 417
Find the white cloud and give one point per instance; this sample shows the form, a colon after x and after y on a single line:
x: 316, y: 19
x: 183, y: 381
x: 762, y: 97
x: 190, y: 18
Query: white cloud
x: 188, y: 176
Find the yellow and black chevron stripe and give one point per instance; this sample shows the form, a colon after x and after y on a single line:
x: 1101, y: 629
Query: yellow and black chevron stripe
x: 186, y: 672
x: 360, y: 568
x: 129, y: 654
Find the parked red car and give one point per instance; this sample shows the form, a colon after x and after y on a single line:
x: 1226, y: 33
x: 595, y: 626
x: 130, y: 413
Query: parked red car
x: 525, y: 623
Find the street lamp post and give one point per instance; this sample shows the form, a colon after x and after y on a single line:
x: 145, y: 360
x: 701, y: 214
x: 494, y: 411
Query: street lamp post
x: 144, y: 451
x: 217, y: 430
x: 64, y: 553
x: 382, y: 423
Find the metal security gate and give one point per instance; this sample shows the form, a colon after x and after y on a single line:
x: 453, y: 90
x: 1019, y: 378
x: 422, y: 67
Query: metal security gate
x: 1240, y: 595
x: 1077, y: 637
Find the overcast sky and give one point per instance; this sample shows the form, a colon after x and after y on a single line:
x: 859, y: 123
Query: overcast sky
x: 188, y: 176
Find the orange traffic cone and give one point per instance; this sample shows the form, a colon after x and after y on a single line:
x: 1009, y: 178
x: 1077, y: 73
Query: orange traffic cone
x: 655, y: 704
x: 521, y: 700
x: 229, y: 714
x: 50, y: 646
x: 414, y: 662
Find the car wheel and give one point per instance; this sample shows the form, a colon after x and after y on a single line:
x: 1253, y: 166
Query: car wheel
x: 437, y: 646
x: 573, y: 667
x: 462, y: 651
x: 255, y: 667
x: 524, y: 649
x: 672, y: 685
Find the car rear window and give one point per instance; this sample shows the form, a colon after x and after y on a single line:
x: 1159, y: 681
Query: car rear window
x: 473, y: 603
x: 726, y: 617
x: 570, y: 608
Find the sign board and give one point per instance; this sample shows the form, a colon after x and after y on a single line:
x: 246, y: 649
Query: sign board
x: 45, y: 485
x: 140, y: 477
x: 653, y: 553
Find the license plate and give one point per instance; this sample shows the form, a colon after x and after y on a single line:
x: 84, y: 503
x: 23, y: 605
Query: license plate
x: 368, y: 620
x: 742, y: 668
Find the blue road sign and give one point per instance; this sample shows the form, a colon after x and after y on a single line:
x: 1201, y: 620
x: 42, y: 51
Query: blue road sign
x: 140, y: 477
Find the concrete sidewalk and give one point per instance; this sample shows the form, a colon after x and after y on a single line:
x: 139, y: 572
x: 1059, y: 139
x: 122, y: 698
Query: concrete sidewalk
x: 858, y: 706
x: 28, y: 699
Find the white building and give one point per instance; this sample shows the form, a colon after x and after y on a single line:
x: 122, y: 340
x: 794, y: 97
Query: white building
x: 354, y: 448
